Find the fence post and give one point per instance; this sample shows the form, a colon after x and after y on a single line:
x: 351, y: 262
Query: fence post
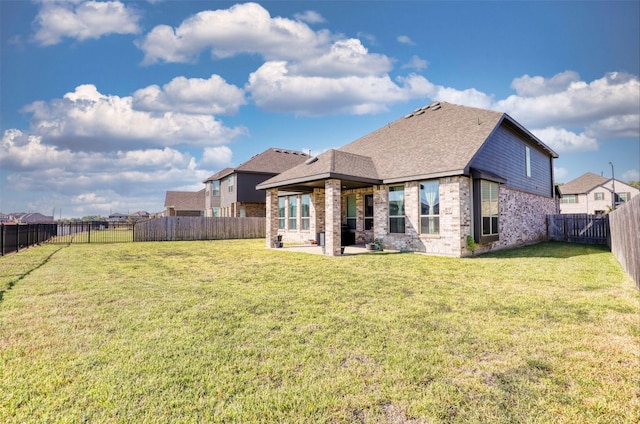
x: 2, y: 239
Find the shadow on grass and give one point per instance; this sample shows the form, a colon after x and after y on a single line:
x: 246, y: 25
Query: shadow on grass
x: 548, y: 249
x: 11, y: 284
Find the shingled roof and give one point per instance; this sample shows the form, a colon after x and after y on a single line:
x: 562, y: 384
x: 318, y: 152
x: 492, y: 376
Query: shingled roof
x: 271, y: 161
x: 583, y: 184
x: 437, y: 140
x: 185, y: 200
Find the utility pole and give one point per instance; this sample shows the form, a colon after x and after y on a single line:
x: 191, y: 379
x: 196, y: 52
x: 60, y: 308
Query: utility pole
x: 613, y: 187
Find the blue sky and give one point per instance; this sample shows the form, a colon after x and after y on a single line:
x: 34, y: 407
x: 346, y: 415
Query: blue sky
x: 104, y: 106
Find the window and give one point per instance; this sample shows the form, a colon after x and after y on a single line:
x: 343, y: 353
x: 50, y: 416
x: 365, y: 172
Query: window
x: 305, y: 211
x: 351, y: 212
x: 215, y: 188
x: 489, y: 209
x: 231, y: 183
x: 368, y: 211
x: 216, y: 212
x: 429, y: 207
x: 281, y: 213
x: 569, y: 198
x: 527, y: 156
x: 623, y: 197
x: 598, y: 196
x: 243, y: 211
x: 396, y: 209
x: 293, y: 212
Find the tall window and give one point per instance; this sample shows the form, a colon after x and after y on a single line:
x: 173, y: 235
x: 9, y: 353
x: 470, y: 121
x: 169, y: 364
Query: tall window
x: 489, y: 199
x: 368, y: 211
x: 281, y: 213
x: 305, y: 211
x: 351, y: 212
x: 598, y: 196
x: 216, y: 212
x: 215, y: 188
x: 429, y: 207
x: 396, y: 209
x: 527, y: 158
x: 231, y: 183
x: 293, y: 212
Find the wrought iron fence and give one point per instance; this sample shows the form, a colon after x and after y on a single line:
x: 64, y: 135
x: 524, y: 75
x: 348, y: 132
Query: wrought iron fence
x: 14, y: 237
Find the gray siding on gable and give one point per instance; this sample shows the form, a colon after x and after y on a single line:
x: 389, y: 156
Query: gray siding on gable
x: 503, y: 154
x: 246, y: 187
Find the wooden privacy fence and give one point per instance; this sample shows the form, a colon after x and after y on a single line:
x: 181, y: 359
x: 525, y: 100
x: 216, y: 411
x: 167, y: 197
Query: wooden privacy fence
x: 578, y: 228
x: 625, y: 237
x: 182, y: 228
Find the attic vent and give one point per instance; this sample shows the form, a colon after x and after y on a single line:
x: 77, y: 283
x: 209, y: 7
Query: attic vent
x: 278, y: 151
x: 420, y: 112
x: 311, y: 160
x: 408, y: 116
x: 436, y: 107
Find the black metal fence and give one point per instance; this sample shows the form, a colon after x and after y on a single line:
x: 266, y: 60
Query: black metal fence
x: 14, y: 237
x: 93, y: 232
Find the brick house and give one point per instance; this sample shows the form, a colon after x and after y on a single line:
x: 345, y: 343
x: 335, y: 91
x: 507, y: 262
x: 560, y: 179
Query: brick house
x: 593, y: 194
x: 232, y: 191
x: 423, y: 183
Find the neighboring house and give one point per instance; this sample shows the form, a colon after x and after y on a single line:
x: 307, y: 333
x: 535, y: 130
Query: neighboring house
x: 593, y: 194
x: 32, y: 218
x: 117, y: 217
x: 232, y: 191
x: 184, y: 203
x: 423, y: 183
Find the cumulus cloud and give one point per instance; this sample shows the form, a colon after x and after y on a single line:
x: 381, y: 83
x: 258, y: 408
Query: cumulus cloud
x: 94, y: 181
x: 527, y: 86
x: 563, y: 140
x: 578, y: 104
x: 344, y: 58
x: 191, y: 95
x: 216, y: 157
x: 243, y: 28
x: 89, y: 120
x: 273, y: 88
x: 82, y: 21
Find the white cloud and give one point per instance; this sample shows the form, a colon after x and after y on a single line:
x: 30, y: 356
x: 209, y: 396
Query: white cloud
x: 273, y: 88
x: 527, y: 86
x: 310, y: 16
x: 191, y: 95
x: 216, y: 157
x: 89, y: 120
x: 405, y: 40
x: 580, y: 104
x: 91, y: 19
x: 243, y: 28
x: 416, y: 63
x: 562, y: 140
x: 344, y: 58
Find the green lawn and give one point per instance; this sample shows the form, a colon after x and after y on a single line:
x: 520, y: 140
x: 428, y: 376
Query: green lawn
x: 228, y: 331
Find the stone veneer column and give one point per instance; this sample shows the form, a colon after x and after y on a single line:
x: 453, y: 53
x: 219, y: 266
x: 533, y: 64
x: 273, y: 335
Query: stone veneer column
x: 332, y: 217
x: 272, y: 216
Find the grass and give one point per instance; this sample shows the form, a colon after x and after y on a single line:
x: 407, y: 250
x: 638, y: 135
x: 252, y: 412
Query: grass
x: 227, y: 331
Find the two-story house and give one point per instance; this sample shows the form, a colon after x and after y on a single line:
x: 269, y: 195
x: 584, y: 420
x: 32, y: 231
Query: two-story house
x: 232, y: 191
x: 594, y: 194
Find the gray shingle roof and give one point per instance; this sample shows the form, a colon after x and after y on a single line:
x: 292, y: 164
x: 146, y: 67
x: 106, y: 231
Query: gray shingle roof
x: 271, y: 161
x: 583, y: 184
x: 436, y: 140
x: 185, y: 200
